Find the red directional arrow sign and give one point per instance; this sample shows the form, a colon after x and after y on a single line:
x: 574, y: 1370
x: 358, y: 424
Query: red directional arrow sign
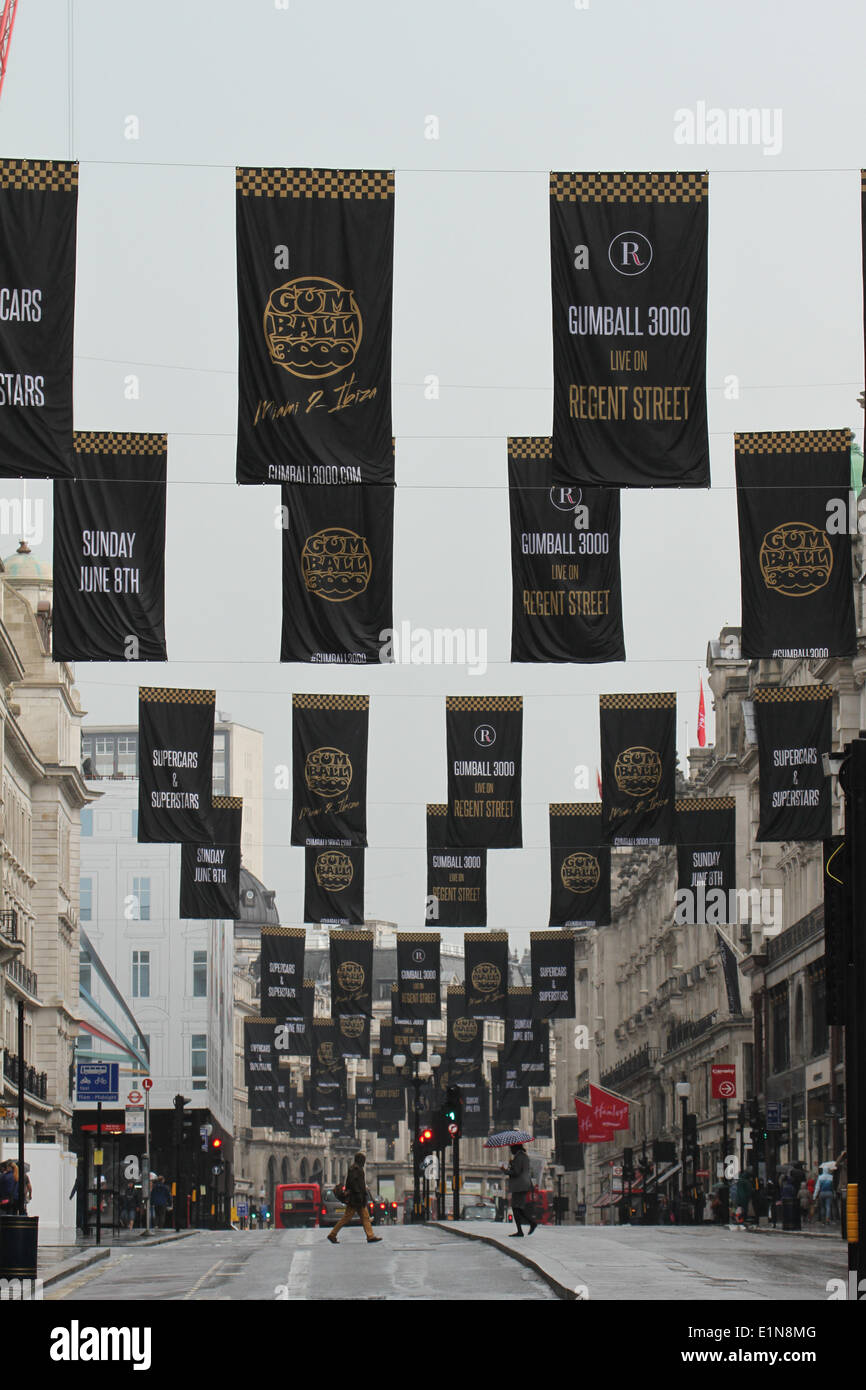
x: 724, y: 1079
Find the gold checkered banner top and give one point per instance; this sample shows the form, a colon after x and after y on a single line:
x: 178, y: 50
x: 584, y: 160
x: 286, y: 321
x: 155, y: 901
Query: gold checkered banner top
x: 227, y: 803
x: 524, y: 991
x: 335, y: 935
x: 863, y: 180
x: 629, y: 188
x: 315, y: 183
x: 39, y: 175
x: 530, y: 446
x: 416, y: 936
x: 253, y: 1019
x: 794, y: 442
x: 361, y: 702
x: 437, y: 808
x: 791, y: 694
x: 656, y: 700
x: 97, y: 442
x: 704, y: 803
x: 574, y: 808
x: 556, y: 935
x: 155, y: 696
x: 490, y: 936
x: 480, y: 704
x: 285, y: 931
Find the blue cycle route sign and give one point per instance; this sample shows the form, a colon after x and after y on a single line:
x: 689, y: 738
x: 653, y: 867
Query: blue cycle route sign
x: 97, y: 1081
x: 774, y: 1114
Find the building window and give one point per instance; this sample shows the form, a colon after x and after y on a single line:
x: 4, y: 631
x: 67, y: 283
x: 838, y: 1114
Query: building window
x: 87, y: 821
x: 220, y: 781
x: 85, y: 900
x: 84, y: 970
x: 199, y: 974
x: 779, y: 1029
x: 103, y: 758
x: 199, y: 1061
x: 141, y: 974
x: 141, y: 894
x: 135, y: 825
x: 127, y: 755
x: 818, y: 1009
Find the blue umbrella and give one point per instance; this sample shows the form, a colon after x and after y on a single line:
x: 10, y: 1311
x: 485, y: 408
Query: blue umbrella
x: 506, y: 1138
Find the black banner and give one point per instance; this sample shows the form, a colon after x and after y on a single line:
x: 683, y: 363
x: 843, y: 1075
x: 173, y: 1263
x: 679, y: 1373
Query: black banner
x: 731, y: 972
x: 579, y: 866
x: 418, y: 975
x: 476, y: 1111
x: 484, y: 737
x: 260, y: 1055
x: 628, y: 257
x: 175, y: 765
x: 486, y: 973
x: 365, y: 1106
x: 527, y: 1040
x: 334, y: 886
x: 327, y: 1065
x: 38, y: 210
x: 706, y: 859
x: 794, y: 727
x: 638, y: 768
x: 293, y: 1035
x: 405, y: 1031
x: 508, y: 1096
x: 542, y: 1118
x: 315, y: 252
x: 282, y: 971
x: 109, y: 550
x: 338, y: 560
x: 566, y: 594
x: 389, y: 1103
x: 464, y: 1045
x: 795, y: 549
x: 210, y: 874
x: 352, y: 973
x: 456, y: 878
x: 353, y: 1032
x: 329, y: 755
x: 551, y: 956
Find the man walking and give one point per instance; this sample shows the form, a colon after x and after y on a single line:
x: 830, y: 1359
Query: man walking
x: 356, y: 1202
x: 159, y: 1197
x: 519, y: 1183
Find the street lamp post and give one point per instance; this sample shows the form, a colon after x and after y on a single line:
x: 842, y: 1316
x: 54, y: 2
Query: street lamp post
x: 416, y: 1047
x: 684, y: 1090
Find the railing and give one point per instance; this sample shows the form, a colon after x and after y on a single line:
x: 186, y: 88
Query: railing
x: 797, y: 935
x: 9, y: 924
x: 22, y: 976
x: 630, y: 1066
x: 687, y: 1031
x: 35, y: 1083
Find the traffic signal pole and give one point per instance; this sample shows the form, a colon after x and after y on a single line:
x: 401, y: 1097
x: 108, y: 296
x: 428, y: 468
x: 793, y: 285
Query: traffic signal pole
x: 852, y: 778
x: 455, y: 1209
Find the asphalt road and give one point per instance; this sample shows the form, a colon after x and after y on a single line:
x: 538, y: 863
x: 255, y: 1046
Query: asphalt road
x: 410, y: 1263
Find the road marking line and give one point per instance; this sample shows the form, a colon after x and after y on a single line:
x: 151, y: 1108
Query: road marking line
x: 199, y: 1282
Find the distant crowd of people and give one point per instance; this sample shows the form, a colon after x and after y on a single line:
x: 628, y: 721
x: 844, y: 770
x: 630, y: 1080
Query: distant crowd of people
x: 790, y: 1198
x: 130, y: 1207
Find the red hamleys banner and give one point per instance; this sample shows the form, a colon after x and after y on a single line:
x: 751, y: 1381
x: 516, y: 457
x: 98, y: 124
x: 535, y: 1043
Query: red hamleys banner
x: 590, y: 1130
x: 608, y: 1110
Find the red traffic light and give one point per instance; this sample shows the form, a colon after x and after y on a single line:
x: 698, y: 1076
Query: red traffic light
x: 425, y: 1136
x: 216, y: 1143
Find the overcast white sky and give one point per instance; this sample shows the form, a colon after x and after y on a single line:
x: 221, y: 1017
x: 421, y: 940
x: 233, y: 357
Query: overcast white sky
x: 518, y: 89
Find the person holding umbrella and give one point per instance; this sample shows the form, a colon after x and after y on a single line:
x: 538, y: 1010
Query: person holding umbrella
x: 519, y: 1183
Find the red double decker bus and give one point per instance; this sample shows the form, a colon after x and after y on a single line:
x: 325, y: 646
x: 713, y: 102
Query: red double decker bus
x: 297, y: 1204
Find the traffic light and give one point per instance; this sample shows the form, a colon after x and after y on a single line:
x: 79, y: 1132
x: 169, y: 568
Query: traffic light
x: 691, y: 1134
x: 425, y: 1137
x: 628, y: 1164
x: 216, y: 1143
x: 179, y: 1117
x: 454, y: 1112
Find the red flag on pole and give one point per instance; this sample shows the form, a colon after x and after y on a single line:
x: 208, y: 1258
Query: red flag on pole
x: 590, y: 1129
x: 607, y: 1109
x: 702, y: 719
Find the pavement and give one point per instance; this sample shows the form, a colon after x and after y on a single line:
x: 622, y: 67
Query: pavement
x: 54, y: 1262
x: 678, y: 1262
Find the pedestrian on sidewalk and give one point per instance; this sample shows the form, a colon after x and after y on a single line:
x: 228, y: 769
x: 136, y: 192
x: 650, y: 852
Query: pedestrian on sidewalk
x: 159, y: 1197
x: 128, y: 1206
x: 824, y: 1196
x: 789, y: 1200
x: 8, y: 1189
x: 356, y: 1202
x: 804, y: 1197
x: 798, y: 1178
x: 519, y: 1183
